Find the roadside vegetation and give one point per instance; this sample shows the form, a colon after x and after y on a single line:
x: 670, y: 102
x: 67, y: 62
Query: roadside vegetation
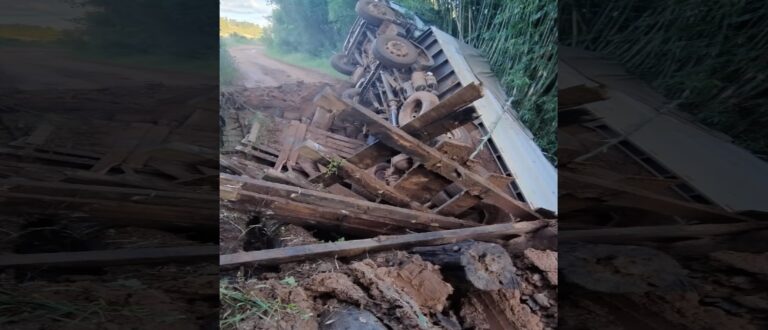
x: 705, y: 56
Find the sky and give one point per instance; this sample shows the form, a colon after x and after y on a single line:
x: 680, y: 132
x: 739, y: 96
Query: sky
x: 254, y: 11
x: 52, y: 13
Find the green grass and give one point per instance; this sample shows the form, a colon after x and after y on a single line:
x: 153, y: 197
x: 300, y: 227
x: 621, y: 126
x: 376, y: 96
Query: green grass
x: 227, y: 71
x: 236, y: 307
x: 305, y: 61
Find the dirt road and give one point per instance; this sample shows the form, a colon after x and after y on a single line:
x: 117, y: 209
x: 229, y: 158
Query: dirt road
x: 259, y: 70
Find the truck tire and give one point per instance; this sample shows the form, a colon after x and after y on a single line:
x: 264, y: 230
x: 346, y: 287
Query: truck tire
x: 374, y: 12
x: 395, y: 52
x: 339, y: 63
x: 416, y: 104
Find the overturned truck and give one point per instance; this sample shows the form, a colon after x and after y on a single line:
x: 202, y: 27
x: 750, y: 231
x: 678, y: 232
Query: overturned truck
x: 433, y: 196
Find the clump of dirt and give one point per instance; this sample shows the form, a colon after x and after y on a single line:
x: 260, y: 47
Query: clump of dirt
x: 398, y: 309
x: 544, y: 260
x: 339, y: 285
x: 422, y: 281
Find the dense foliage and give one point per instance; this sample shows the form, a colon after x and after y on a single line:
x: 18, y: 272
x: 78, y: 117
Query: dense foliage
x: 229, y: 27
x: 707, y: 56
x: 314, y: 27
x: 178, y: 28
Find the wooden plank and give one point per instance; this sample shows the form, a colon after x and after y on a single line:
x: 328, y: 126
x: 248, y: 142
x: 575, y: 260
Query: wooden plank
x: 342, y: 138
x: 299, y: 138
x: 291, y: 178
x: 436, y: 162
x: 322, y: 118
x: 110, y: 257
x: 154, y: 136
x: 233, y: 186
x: 501, y: 181
x: 449, y: 123
x: 358, y: 176
x: 420, y: 184
x: 123, y: 143
x: 307, y: 215
x: 381, y: 243
x: 253, y: 133
x: 457, y: 151
x: 327, y: 99
x: 340, y: 190
x: 286, y: 148
x: 255, y: 153
x: 458, y: 204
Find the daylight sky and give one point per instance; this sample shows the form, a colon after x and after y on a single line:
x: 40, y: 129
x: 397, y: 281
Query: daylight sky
x: 53, y: 13
x: 254, y: 11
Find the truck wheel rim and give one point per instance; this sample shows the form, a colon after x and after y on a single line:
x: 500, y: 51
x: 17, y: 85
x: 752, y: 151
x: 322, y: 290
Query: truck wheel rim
x: 397, y: 48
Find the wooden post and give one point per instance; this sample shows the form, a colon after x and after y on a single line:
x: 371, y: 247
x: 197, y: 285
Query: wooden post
x: 356, y: 247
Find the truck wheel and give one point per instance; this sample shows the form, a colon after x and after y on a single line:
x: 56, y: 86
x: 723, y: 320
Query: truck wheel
x: 339, y: 63
x: 394, y: 52
x: 374, y: 12
x: 460, y: 135
x: 416, y: 104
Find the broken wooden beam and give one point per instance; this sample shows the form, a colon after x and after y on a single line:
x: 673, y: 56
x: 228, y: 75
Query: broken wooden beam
x: 381, y: 243
x: 358, y: 176
x: 444, y: 117
x: 487, y: 266
x: 438, y: 163
x: 110, y: 257
x: 304, y: 206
